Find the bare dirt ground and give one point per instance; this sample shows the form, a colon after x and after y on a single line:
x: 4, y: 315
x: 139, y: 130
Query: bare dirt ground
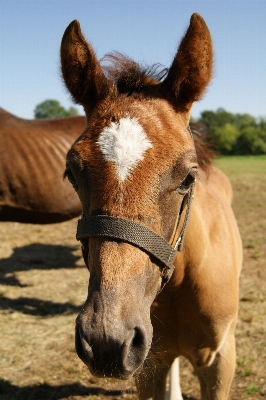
x: 43, y: 282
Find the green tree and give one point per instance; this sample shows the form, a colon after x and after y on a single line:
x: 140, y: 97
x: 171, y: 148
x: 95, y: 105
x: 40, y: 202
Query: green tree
x: 244, y: 120
x: 235, y: 133
x: 262, y: 123
x: 252, y: 140
x: 53, y: 109
x: 224, y: 138
x: 212, y: 119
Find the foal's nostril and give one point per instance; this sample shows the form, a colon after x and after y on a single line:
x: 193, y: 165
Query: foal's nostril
x: 138, y: 339
x: 135, y: 350
x: 83, y: 348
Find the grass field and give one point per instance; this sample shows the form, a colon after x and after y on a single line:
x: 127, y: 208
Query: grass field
x: 43, y: 283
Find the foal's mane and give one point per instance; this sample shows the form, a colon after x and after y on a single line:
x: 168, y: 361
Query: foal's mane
x: 131, y: 77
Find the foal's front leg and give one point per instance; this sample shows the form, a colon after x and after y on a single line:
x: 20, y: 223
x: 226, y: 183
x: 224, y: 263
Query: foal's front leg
x: 152, y: 385
x: 215, y: 380
x: 174, y: 392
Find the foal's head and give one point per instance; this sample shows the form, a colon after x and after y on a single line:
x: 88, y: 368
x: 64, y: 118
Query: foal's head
x: 135, y: 160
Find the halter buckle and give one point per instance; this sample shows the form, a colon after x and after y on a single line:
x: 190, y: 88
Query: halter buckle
x: 178, y: 243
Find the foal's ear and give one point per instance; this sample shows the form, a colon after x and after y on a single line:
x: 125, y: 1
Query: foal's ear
x: 191, y: 70
x: 81, y: 70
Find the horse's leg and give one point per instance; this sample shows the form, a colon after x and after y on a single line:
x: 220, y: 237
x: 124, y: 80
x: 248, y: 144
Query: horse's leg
x: 174, y: 392
x: 215, y: 380
x: 152, y: 386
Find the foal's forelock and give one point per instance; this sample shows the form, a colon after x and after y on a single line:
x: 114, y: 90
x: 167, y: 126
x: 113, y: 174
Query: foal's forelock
x: 128, y: 76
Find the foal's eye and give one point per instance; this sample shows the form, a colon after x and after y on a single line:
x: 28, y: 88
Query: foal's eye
x: 187, y: 182
x: 69, y: 175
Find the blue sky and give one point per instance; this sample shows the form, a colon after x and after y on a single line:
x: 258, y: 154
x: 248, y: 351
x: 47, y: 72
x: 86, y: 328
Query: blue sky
x: 146, y: 30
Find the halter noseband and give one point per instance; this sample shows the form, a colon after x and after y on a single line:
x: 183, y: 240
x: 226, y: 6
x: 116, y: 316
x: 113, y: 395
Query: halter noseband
x: 139, y: 235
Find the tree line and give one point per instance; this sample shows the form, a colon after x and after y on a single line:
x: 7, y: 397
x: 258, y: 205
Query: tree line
x: 50, y: 109
x: 229, y: 133
x: 234, y: 134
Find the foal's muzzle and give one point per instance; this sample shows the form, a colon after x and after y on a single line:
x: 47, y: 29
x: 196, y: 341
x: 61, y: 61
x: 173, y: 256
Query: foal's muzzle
x: 115, y: 351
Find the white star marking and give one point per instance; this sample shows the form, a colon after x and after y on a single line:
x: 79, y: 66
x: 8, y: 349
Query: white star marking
x: 124, y: 143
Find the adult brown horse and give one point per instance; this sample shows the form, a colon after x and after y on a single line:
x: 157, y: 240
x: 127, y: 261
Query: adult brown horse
x: 134, y: 169
x: 32, y: 157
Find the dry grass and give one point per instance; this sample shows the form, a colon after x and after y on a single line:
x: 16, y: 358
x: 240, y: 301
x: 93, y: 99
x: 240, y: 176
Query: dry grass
x: 248, y: 176
x: 43, y: 282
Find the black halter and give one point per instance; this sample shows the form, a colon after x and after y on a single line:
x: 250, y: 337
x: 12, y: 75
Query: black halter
x: 139, y: 235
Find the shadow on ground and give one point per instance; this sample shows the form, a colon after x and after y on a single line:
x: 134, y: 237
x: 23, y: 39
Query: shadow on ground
x: 47, y: 392
x: 36, y: 256
x: 31, y: 306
